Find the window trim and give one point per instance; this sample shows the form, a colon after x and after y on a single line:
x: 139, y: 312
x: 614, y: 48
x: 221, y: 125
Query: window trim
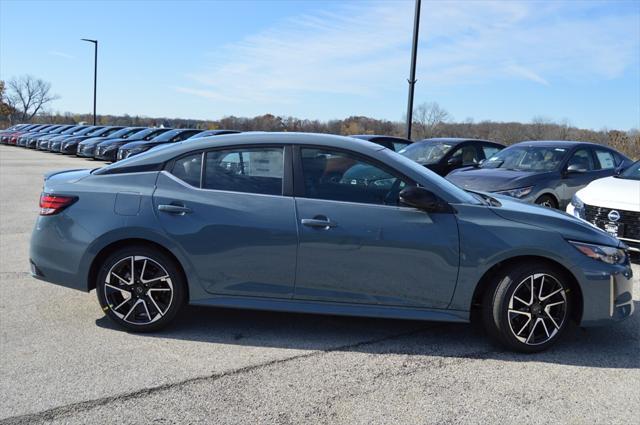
x: 287, y: 183
x: 298, y: 174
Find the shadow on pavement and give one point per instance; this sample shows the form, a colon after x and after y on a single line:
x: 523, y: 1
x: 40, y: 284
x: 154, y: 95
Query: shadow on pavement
x: 614, y: 346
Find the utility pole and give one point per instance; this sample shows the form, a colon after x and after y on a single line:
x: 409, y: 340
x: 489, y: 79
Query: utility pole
x: 95, y: 75
x: 412, y: 72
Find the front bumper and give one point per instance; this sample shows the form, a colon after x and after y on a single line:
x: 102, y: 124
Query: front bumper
x: 86, y: 151
x: 607, y: 293
x: 69, y: 148
x: 106, y: 155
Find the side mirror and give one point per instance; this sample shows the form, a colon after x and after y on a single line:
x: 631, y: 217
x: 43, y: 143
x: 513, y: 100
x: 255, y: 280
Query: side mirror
x: 575, y: 168
x: 421, y: 198
x: 455, y: 161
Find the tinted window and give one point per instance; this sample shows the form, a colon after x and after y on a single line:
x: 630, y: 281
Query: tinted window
x: 606, y: 160
x: 184, y: 135
x: 583, y: 159
x: 427, y: 152
x: 339, y: 176
x: 398, y: 146
x: 188, y: 169
x: 489, y: 150
x: 468, y: 154
x: 527, y: 158
x: 250, y: 170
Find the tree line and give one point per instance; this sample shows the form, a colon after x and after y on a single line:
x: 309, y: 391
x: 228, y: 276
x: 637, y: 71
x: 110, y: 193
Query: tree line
x: 25, y: 99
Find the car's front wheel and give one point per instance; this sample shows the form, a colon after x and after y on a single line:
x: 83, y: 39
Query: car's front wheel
x: 527, y: 307
x: 140, y: 288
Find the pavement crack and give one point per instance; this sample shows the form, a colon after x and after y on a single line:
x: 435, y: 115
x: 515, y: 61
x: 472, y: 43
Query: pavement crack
x: 69, y: 409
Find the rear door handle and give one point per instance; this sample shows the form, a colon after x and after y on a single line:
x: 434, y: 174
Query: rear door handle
x: 174, y: 209
x: 323, y: 222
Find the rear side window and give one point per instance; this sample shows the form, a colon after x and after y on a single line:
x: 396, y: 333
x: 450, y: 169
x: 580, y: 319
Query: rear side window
x: 606, y: 160
x: 188, y: 169
x: 249, y: 170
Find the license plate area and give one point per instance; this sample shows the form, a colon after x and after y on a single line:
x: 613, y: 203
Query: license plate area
x: 614, y: 229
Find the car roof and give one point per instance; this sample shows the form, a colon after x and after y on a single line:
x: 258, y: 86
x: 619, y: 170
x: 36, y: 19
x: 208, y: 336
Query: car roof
x: 248, y: 138
x: 372, y: 137
x: 555, y: 143
x: 456, y: 140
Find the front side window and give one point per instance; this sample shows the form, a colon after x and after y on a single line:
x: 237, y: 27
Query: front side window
x: 188, y: 169
x: 467, y: 154
x: 606, y: 160
x: 249, y: 170
x: 582, y: 159
x: 340, y: 176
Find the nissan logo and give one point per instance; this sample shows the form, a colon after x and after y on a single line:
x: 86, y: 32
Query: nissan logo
x: 613, y: 215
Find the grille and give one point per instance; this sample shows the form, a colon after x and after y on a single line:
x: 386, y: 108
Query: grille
x: 630, y: 219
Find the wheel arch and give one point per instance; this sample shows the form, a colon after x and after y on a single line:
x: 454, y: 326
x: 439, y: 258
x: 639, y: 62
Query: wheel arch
x: 553, y: 195
x: 486, y: 279
x: 121, y: 243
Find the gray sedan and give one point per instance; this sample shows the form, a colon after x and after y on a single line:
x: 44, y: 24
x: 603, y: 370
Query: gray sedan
x: 320, y: 224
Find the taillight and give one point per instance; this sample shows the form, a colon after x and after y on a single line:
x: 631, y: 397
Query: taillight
x: 53, y: 204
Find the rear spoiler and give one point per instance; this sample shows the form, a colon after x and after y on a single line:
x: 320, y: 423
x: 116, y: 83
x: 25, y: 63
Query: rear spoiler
x: 53, y: 173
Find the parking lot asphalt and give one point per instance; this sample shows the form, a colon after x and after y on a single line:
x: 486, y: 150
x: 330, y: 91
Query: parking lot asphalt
x: 62, y: 361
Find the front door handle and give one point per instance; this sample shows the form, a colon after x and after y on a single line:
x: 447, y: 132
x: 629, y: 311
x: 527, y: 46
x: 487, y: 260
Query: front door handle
x: 174, y: 209
x: 318, y: 222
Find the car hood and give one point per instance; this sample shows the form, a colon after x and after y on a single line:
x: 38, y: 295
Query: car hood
x: 76, y: 139
x: 570, y: 227
x: 142, y: 143
x: 116, y: 142
x: 93, y: 141
x: 612, y: 192
x: 494, y: 180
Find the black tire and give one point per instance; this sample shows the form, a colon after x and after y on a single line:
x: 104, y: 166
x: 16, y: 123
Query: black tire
x: 547, y: 201
x: 154, y: 299
x: 505, y: 318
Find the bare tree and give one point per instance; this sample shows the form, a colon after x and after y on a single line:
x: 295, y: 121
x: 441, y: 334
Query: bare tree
x: 428, y: 117
x: 29, y: 95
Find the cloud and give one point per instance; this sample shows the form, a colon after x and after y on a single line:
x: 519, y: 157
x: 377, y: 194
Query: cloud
x: 362, y: 49
x: 60, y: 54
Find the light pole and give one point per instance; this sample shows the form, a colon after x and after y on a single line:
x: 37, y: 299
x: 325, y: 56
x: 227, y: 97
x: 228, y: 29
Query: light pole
x: 95, y: 75
x: 412, y: 71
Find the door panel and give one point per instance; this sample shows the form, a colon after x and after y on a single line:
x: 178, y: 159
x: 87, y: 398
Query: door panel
x: 239, y: 243
x: 376, y: 254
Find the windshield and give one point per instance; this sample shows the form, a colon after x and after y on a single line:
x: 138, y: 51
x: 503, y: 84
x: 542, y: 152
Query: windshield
x: 426, y: 152
x: 123, y: 133
x: 527, y: 158
x: 165, y: 137
x: 631, y: 173
x: 148, y: 133
x: 73, y: 130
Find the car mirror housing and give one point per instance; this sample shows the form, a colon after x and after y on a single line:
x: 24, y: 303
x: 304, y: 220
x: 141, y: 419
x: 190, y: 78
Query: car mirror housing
x: 421, y: 198
x: 575, y: 168
x: 455, y: 161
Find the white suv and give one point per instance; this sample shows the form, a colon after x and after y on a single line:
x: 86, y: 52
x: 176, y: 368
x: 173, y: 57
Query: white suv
x: 613, y: 205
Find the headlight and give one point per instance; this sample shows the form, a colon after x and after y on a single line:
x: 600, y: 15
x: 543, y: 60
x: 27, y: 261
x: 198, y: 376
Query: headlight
x: 578, y: 207
x: 520, y: 192
x: 607, y: 254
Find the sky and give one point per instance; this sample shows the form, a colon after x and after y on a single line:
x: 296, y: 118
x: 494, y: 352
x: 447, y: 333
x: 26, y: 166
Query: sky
x: 570, y: 61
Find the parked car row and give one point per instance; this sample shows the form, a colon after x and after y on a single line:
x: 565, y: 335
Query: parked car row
x: 547, y: 173
x: 107, y: 143
x: 328, y: 224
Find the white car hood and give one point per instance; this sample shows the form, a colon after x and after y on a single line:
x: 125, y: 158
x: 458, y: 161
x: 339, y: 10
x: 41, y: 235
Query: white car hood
x: 612, y: 192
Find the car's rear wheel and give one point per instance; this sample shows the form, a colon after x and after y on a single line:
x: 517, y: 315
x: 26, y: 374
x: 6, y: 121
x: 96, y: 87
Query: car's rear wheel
x: 140, y: 288
x: 547, y: 201
x: 527, y: 308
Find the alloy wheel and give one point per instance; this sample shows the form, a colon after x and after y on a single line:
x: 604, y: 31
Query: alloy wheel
x: 138, y: 290
x: 537, y: 309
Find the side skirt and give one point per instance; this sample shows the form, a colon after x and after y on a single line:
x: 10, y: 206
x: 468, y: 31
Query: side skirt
x: 339, y: 309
